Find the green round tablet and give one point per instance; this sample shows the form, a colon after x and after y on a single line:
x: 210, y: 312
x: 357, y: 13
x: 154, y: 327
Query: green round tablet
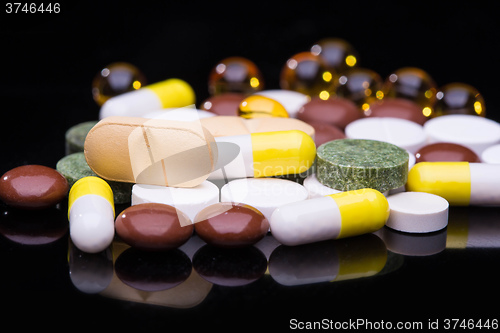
x: 351, y: 164
x: 75, y: 136
x: 74, y: 167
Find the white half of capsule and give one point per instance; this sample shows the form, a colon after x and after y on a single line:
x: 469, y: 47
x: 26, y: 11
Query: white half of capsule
x: 91, y: 223
x: 322, y: 214
x: 484, y: 184
x: 131, y: 104
x: 235, y: 157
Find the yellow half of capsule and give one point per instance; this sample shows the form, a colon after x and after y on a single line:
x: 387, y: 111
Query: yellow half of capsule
x: 173, y: 93
x: 450, y: 180
x: 361, y: 211
x: 90, y: 185
x: 282, y: 153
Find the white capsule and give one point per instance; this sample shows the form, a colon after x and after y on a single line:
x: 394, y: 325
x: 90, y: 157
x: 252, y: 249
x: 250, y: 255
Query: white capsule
x: 91, y: 214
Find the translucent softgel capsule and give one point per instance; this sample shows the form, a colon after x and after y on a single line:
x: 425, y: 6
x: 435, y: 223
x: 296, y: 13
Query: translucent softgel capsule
x: 237, y: 75
x: 115, y: 79
x: 459, y: 98
x: 336, y: 53
x: 307, y: 73
x: 334, y: 216
x: 413, y: 84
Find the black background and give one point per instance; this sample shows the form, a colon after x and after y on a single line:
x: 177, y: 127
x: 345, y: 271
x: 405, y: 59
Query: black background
x: 49, y: 61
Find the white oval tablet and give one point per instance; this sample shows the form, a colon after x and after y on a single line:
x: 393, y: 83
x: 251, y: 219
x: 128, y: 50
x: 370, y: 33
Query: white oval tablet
x: 417, y: 212
x: 316, y: 189
x: 400, y: 132
x: 188, y: 200
x: 474, y: 132
x: 265, y: 194
x: 491, y: 155
x: 291, y: 100
x: 180, y: 114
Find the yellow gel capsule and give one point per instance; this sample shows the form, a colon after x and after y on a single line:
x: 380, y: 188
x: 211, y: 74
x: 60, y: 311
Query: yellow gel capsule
x: 257, y: 106
x: 334, y: 216
x: 461, y: 183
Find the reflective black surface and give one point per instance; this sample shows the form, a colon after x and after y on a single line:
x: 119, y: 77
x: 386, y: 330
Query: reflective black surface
x: 49, y: 63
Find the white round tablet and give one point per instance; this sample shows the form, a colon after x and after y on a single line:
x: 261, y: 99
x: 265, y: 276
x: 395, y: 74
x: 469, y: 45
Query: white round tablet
x: 188, y: 200
x: 417, y: 212
x: 316, y: 189
x: 474, y: 132
x: 265, y: 194
x: 400, y: 132
x: 291, y: 100
x: 491, y: 155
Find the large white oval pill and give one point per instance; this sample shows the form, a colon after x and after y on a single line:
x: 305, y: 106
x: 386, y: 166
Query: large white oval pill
x: 417, y: 212
x: 264, y: 194
x: 400, y: 132
x: 473, y: 132
x: 188, y: 200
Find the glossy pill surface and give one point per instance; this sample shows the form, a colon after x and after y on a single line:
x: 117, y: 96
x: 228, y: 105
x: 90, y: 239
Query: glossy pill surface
x: 334, y: 216
x: 32, y: 187
x: 153, y: 227
x: 91, y: 214
x: 229, y: 224
x: 445, y: 152
x: 334, y: 111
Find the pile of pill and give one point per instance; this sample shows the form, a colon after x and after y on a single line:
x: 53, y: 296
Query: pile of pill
x: 336, y: 152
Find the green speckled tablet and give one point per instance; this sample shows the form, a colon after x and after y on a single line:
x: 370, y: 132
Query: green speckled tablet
x: 351, y: 164
x: 74, y: 167
x: 75, y: 136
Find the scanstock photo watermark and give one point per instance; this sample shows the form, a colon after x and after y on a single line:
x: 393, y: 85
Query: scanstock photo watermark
x: 369, y: 325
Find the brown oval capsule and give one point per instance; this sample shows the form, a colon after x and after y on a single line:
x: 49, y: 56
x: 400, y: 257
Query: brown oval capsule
x: 334, y: 111
x: 228, y: 224
x: 153, y: 227
x: 326, y: 132
x: 226, y: 104
x: 33, y: 187
x: 445, y: 152
x: 397, y: 108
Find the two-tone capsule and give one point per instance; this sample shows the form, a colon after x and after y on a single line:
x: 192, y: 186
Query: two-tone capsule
x: 91, y: 214
x: 334, y: 216
x: 264, y: 154
x: 461, y: 183
x: 171, y: 93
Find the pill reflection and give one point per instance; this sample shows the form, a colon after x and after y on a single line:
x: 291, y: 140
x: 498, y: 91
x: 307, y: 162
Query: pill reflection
x: 474, y: 227
x: 152, y: 271
x: 333, y: 260
x: 230, y: 267
x: 413, y: 244
x: 90, y: 273
x: 33, y: 227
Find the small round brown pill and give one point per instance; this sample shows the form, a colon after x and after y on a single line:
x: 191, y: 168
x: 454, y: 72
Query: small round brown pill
x: 153, y: 227
x: 228, y: 224
x: 446, y: 152
x: 33, y: 187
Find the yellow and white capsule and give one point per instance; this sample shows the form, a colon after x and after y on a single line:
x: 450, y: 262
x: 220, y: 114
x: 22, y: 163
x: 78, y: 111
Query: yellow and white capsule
x: 461, y: 183
x: 333, y: 216
x: 264, y: 154
x: 171, y: 93
x: 91, y: 214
